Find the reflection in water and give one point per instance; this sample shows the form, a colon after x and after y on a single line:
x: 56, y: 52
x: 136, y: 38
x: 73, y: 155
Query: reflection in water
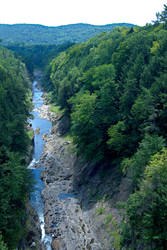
x: 44, y: 126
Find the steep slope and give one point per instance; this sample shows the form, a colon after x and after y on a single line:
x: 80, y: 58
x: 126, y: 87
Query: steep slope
x: 15, y: 180
x: 113, y: 88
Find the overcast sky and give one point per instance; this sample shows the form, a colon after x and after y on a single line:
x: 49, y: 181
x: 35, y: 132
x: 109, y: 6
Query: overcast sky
x: 61, y: 12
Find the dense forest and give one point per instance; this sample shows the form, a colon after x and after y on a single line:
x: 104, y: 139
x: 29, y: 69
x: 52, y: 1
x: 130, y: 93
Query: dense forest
x: 34, y: 34
x: 113, y: 88
x: 37, y: 56
x: 15, y: 180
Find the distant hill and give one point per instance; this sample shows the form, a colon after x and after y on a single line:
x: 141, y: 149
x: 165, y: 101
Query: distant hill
x: 37, y: 34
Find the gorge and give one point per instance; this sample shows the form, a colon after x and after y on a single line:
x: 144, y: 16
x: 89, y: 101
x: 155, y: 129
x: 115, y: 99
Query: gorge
x: 66, y: 224
x: 98, y: 175
x: 43, y: 125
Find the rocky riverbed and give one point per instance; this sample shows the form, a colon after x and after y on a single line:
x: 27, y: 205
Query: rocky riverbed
x: 71, y: 217
x: 69, y: 225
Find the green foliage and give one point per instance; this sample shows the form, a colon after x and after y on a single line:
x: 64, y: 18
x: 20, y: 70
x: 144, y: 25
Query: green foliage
x: 118, y: 140
x: 144, y: 112
x: 117, y: 238
x: 121, y: 205
x: 83, y: 110
x: 2, y: 244
x: 15, y: 182
x: 162, y: 17
x: 147, y: 208
x: 100, y: 211
x: 14, y: 177
x: 14, y: 102
x: 30, y: 134
x: 113, y: 229
x: 114, y: 89
x: 96, y: 77
x: 108, y: 219
x: 37, y: 56
x: 55, y: 109
x: 135, y: 165
x: 39, y: 34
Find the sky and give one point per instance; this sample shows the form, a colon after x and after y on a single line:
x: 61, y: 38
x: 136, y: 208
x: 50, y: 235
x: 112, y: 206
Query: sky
x: 62, y: 12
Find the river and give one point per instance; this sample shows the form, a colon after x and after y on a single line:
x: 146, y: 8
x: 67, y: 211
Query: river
x: 43, y: 126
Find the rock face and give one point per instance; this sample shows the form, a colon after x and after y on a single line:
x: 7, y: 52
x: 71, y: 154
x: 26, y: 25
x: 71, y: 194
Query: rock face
x: 69, y: 225
x: 64, y: 217
x: 37, y: 131
x: 74, y: 216
x: 32, y: 238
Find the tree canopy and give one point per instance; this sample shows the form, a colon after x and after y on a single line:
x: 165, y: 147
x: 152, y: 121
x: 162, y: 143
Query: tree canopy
x: 35, y: 34
x: 14, y: 178
x: 113, y: 87
x: 114, y: 75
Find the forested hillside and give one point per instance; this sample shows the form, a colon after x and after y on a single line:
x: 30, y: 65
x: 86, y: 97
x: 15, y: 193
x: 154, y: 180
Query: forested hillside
x: 37, y: 56
x: 113, y: 90
x: 113, y: 87
x: 39, y: 34
x: 15, y: 181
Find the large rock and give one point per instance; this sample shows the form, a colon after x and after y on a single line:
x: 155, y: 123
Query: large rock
x: 62, y: 126
x: 33, y: 236
x: 70, y: 211
x: 69, y: 225
x: 56, y: 244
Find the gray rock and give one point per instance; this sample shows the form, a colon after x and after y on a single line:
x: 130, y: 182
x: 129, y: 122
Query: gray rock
x: 71, y: 226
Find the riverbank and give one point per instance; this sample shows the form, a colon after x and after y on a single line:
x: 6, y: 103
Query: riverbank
x: 64, y: 217
x: 37, y: 237
x: 77, y: 212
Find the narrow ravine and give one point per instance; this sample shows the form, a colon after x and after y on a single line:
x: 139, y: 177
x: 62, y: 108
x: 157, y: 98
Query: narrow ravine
x: 71, y: 226
x: 64, y: 223
x: 40, y: 127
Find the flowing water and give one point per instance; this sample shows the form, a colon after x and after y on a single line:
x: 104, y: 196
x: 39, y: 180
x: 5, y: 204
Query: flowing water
x: 43, y: 126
